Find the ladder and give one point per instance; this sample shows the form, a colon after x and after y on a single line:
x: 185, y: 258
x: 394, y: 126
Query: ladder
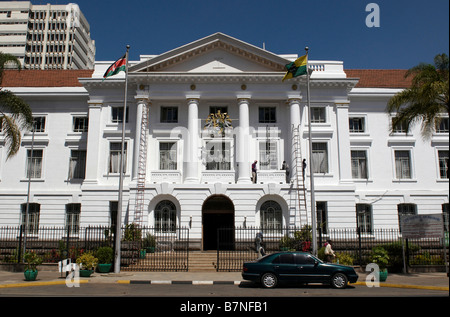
x: 299, y: 177
x: 142, y: 166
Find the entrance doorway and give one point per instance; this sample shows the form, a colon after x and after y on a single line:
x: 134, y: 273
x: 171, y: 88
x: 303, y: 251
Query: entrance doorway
x: 217, y: 213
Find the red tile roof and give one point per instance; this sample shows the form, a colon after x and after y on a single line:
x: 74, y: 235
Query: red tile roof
x: 43, y: 78
x: 368, y: 78
x: 380, y: 78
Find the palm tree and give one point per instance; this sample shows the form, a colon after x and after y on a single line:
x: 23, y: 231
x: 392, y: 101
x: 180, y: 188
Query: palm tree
x: 426, y: 100
x: 15, y: 113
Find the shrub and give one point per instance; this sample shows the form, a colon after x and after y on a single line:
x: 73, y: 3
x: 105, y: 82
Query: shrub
x: 87, y: 261
x: 105, y: 255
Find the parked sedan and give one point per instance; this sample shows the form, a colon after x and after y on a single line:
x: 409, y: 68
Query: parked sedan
x: 298, y: 267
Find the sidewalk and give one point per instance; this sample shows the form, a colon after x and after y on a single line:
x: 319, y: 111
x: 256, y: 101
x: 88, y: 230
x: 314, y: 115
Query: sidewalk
x: 436, y: 281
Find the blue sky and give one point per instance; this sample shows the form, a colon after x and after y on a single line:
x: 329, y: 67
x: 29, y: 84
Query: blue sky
x: 410, y: 32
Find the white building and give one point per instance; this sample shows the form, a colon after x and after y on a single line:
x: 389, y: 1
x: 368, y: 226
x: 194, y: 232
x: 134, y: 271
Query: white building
x: 196, y: 177
x: 46, y: 36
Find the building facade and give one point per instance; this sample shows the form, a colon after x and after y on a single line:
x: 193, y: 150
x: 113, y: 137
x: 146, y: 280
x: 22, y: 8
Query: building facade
x: 46, y: 36
x: 197, y: 118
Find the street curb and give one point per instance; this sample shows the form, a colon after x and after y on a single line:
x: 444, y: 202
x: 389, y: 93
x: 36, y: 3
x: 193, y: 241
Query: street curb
x: 436, y: 288
x: 178, y: 282
x: 30, y: 284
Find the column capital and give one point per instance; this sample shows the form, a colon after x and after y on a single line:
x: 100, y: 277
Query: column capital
x: 242, y: 99
x: 193, y: 99
x: 294, y: 100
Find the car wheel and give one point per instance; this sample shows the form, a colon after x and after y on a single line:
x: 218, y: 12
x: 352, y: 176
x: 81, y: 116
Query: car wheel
x: 269, y: 280
x: 339, y: 280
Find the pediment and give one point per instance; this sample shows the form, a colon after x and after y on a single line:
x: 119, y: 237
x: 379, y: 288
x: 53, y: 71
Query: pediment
x: 217, y: 53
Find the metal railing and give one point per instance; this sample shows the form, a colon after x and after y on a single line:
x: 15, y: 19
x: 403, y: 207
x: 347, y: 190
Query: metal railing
x: 142, y: 248
x: 237, y: 245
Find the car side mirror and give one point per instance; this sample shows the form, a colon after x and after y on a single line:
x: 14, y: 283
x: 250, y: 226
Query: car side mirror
x: 316, y: 263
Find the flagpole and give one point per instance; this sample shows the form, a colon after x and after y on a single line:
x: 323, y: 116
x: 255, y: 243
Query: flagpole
x: 121, y: 171
x: 311, y: 170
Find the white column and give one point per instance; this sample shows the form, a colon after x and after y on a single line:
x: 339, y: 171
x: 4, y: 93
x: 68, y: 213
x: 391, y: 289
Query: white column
x: 343, y: 136
x: 191, y: 149
x: 243, y: 142
x: 93, y: 143
x: 294, y: 115
x: 142, y: 104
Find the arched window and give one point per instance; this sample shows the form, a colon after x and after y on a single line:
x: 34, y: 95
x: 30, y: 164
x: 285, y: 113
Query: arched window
x: 271, y: 216
x: 165, y: 216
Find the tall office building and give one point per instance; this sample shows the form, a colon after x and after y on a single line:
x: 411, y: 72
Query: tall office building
x: 46, y: 36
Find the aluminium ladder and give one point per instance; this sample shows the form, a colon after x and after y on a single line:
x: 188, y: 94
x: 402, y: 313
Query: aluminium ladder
x: 299, y: 177
x: 142, y: 167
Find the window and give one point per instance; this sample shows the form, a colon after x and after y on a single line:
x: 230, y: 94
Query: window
x: 271, y: 216
x: 443, y: 164
x: 401, y: 127
x: 357, y: 125
x: 268, y: 155
x: 287, y: 258
x: 113, y: 209
x: 73, y: 218
x: 364, y: 217
x: 117, y: 115
x: 77, y: 164
x: 320, y: 157
x: 404, y: 210
x: 169, y: 114
x: 402, y: 164
x: 359, y: 164
x: 38, y: 124
x: 165, y: 216
x: 322, y: 216
x: 445, y: 213
x: 218, y: 155
x: 318, y: 115
x: 216, y: 109
x: 167, y: 156
x: 32, y: 224
x: 80, y: 124
x: 115, y: 149
x: 267, y: 115
x: 34, y: 163
x: 442, y: 126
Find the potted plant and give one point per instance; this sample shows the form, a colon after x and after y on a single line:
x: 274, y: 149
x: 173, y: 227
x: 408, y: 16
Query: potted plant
x: 380, y: 257
x: 105, y: 256
x: 87, y: 263
x: 32, y: 260
x: 149, y: 243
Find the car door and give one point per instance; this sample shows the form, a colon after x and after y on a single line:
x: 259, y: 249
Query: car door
x: 286, y: 269
x: 307, y: 268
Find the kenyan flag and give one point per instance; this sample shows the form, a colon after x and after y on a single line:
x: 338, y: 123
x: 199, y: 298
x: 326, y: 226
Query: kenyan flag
x: 116, y: 67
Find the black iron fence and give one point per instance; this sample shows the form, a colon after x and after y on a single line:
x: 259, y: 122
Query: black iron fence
x: 237, y: 245
x: 142, y: 248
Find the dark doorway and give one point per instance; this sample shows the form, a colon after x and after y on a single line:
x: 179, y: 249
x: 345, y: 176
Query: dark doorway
x: 218, y: 213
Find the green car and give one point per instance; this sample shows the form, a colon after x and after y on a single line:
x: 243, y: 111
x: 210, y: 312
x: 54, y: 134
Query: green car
x: 299, y: 267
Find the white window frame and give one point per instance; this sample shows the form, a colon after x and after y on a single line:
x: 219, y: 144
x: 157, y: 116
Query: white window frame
x: 396, y: 177
x: 205, y: 155
x: 125, y: 162
x: 177, y: 159
x: 368, y: 171
x: 42, y: 167
x: 438, y: 167
x: 366, y: 126
x: 263, y: 142
x: 327, y: 142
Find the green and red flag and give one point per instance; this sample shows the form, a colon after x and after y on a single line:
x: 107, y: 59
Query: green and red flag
x: 116, y: 67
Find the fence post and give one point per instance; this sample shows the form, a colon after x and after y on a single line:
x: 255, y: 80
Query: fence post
x: 358, y: 231
x: 19, y: 255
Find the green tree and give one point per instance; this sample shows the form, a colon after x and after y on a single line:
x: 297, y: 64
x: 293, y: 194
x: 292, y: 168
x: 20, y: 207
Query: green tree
x: 15, y: 113
x: 427, y: 98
